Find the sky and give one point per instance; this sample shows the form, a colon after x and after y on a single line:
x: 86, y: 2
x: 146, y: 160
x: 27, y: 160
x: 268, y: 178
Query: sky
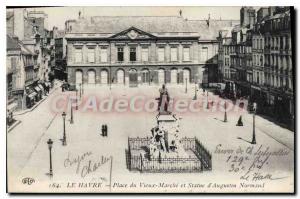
x: 58, y: 15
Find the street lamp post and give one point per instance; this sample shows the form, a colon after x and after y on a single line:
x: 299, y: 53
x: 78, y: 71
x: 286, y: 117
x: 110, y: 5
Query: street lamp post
x: 76, y: 99
x: 195, y: 97
x: 253, y: 133
x: 110, y: 82
x: 71, y: 120
x: 110, y: 78
x: 80, y: 90
x: 207, y: 106
x: 64, y: 141
x: 50, y: 142
x: 225, y: 114
x: 185, y: 85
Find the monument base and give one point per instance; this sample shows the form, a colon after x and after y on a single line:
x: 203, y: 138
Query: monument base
x: 193, y: 157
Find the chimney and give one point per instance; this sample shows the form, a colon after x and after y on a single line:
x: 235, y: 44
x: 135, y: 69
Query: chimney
x: 19, y: 23
x: 261, y: 13
x: 272, y: 9
x: 247, y: 17
x: 252, y: 17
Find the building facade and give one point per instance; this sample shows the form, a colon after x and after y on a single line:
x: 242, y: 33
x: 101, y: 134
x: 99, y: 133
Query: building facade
x: 27, y: 55
x: 278, y: 66
x: 59, y: 56
x: 261, y: 66
x: 141, y: 50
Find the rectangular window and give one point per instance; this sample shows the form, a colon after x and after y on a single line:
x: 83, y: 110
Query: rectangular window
x: 186, y: 54
x: 91, y: 55
x: 174, y: 54
x: 13, y: 63
x: 145, y: 54
x: 204, y: 54
x: 281, y: 42
x: 120, y: 54
x: 103, y: 54
x: 78, y: 55
x: 161, y: 54
x: 132, y: 54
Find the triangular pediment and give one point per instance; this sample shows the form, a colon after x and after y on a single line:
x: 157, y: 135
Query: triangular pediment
x: 133, y: 33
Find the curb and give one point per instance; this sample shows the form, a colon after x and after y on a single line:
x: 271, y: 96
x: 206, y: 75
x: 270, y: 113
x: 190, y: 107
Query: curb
x: 14, y: 125
x: 36, y: 105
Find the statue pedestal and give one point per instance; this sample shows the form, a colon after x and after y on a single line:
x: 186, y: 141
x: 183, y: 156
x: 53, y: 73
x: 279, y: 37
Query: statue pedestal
x: 168, y: 123
x: 164, y: 151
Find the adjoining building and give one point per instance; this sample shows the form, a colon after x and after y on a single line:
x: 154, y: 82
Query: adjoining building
x: 261, y: 67
x: 27, y: 56
x: 19, y: 60
x: 142, y: 50
x: 59, y: 56
x: 278, y: 87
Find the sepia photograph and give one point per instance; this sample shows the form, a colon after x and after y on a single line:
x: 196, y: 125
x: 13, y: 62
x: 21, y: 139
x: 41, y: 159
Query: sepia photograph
x: 150, y: 99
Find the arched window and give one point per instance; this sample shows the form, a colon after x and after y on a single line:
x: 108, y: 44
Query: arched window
x: 120, y: 76
x: 78, y: 78
x: 145, y: 76
x: 104, y: 77
x: 174, y: 76
x: 161, y: 76
x: 186, y: 75
x: 91, y: 77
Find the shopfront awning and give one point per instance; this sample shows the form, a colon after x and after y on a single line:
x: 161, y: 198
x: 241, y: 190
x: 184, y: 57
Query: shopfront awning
x: 32, y: 95
x: 48, y: 84
x: 41, y: 87
x: 37, y: 89
x: 11, y: 107
x: 256, y: 87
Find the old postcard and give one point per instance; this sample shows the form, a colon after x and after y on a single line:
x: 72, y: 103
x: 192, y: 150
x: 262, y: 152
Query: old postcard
x: 150, y: 99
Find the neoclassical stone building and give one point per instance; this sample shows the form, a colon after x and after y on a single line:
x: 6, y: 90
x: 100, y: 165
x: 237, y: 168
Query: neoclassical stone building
x: 142, y: 50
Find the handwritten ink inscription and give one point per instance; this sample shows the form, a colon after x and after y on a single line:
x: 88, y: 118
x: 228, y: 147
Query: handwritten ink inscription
x: 250, y: 162
x: 85, y: 163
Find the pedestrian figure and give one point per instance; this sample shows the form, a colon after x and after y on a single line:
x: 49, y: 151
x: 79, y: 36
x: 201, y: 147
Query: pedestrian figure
x: 254, y: 106
x: 240, y: 122
x: 105, y: 130
x: 102, y: 130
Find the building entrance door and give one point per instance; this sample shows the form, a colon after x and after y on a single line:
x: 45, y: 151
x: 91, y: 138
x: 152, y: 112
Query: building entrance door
x: 133, y: 78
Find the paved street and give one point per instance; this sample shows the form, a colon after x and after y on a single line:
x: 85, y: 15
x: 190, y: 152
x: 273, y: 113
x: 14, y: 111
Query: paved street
x: 28, y: 154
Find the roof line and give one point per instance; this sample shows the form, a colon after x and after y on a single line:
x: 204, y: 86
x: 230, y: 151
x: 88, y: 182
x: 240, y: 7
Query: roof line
x: 134, y: 16
x: 214, y: 20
